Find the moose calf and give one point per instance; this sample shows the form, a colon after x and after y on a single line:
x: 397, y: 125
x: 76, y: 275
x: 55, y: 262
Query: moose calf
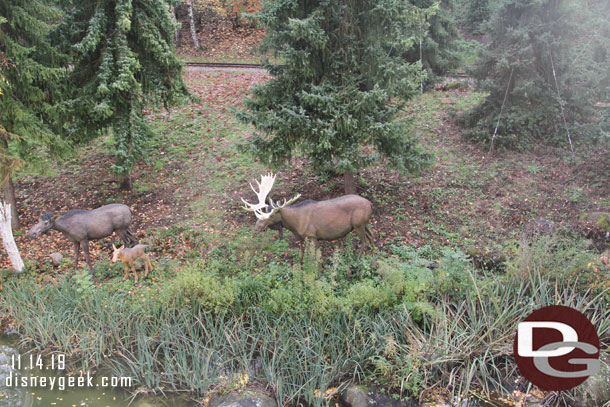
x: 127, y: 256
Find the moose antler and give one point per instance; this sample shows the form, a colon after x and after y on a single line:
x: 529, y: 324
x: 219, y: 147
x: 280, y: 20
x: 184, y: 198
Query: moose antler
x: 264, y: 187
x: 276, y: 207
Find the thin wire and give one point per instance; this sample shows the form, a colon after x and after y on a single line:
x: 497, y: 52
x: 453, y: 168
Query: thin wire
x: 563, y: 115
x: 421, y: 66
x: 491, y: 147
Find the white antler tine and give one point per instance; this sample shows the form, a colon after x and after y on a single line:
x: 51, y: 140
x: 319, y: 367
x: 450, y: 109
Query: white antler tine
x: 264, y: 187
x: 291, y: 201
x: 247, y: 205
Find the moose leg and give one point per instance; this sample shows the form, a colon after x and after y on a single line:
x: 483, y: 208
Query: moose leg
x: 126, y: 268
x: 133, y: 270
x: 124, y: 235
x: 130, y: 236
x: 361, y: 231
x: 302, y: 250
x: 314, y: 243
x: 85, y: 246
x: 147, y: 265
x: 76, y: 254
x: 369, y: 236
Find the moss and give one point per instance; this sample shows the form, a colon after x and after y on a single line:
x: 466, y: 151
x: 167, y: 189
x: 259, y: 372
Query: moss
x: 453, y: 85
x: 603, y: 221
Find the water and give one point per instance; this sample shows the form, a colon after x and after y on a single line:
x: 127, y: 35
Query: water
x: 79, y: 397
x: 96, y: 396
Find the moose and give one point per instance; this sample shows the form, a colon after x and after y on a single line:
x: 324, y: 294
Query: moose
x: 80, y: 226
x: 315, y: 220
x: 128, y: 255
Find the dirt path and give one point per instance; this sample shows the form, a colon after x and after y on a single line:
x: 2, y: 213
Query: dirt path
x: 191, y: 68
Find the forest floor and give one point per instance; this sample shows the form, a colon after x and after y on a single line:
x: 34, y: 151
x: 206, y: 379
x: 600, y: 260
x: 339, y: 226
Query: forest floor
x: 186, y: 191
x: 221, y: 41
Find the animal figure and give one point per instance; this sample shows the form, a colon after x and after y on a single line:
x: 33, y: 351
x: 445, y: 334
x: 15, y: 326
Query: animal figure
x: 315, y: 220
x: 80, y: 226
x: 127, y: 256
x: 278, y: 226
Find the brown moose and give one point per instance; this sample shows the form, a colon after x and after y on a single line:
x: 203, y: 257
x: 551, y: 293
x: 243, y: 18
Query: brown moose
x: 315, y: 220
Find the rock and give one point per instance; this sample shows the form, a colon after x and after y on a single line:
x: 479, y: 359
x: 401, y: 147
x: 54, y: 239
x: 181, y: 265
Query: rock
x: 358, y: 396
x: 56, y: 258
x: 355, y: 396
x: 491, y: 260
x: 247, y: 399
x: 540, y: 227
x: 595, y: 391
x: 599, y: 221
x: 453, y: 85
x: 596, y: 226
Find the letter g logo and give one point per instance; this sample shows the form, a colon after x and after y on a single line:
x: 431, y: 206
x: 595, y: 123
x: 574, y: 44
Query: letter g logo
x: 556, y: 348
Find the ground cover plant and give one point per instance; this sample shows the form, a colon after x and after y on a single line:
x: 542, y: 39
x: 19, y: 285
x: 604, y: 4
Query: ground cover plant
x: 397, y: 317
x: 298, y: 331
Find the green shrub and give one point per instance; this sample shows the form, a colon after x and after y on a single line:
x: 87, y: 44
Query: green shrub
x: 82, y: 282
x: 198, y: 287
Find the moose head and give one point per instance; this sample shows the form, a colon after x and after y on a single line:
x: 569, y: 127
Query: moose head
x: 267, y: 213
x: 45, y: 223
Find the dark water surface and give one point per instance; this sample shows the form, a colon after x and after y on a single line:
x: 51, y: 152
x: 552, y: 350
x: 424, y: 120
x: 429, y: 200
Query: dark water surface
x: 96, y: 396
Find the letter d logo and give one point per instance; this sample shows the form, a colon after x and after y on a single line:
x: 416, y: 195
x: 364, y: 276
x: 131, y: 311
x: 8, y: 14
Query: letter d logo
x: 526, y: 339
x: 556, y: 348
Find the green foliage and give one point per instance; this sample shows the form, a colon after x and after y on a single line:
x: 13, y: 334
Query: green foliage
x: 201, y: 289
x: 555, y: 259
x: 82, y: 283
x: 197, y: 326
x: 477, y: 13
x: 440, y: 46
x: 123, y: 57
x: 336, y: 91
x: 31, y: 86
x: 528, y: 38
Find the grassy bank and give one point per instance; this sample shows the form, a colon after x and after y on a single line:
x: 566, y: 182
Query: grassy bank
x: 226, y: 309
x: 386, y: 319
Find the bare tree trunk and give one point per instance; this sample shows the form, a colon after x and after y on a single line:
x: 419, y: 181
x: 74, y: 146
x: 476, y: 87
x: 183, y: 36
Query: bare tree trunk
x: 348, y: 183
x: 7, y: 237
x: 172, y: 10
x: 126, y: 183
x: 8, y: 190
x: 192, y: 24
x: 8, y: 195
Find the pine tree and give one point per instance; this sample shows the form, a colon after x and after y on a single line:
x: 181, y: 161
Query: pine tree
x: 478, y: 12
x: 591, y: 60
x: 528, y: 39
x: 30, y: 88
x: 336, y: 92
x: 439, y: 52
x: 123, y: 57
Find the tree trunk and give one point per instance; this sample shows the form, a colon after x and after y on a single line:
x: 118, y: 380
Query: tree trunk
x: 8, y: 195
x: 7, y: 236
x: 126, y: 183
x: 192, y: 25
x: 8, y: 190
x: 348, y: 183
x: 172, y: 10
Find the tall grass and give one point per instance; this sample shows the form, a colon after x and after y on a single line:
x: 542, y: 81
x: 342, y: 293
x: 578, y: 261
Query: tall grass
x: 462, y: 342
